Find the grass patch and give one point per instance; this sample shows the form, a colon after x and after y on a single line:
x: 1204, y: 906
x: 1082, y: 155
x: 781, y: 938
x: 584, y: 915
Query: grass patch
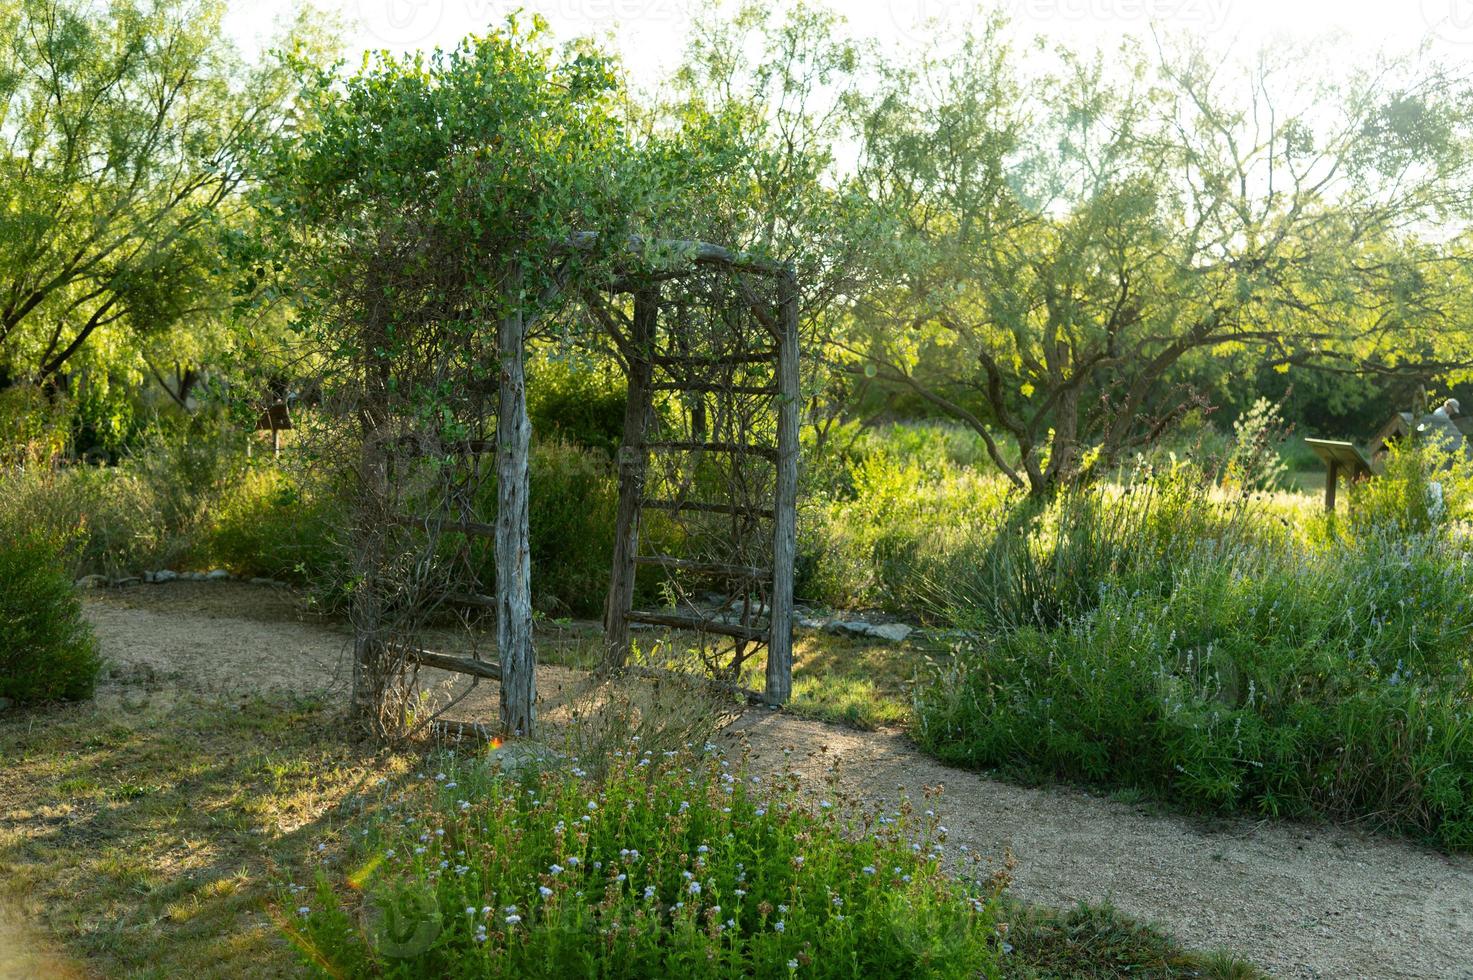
x: 862, y: 685
x: 145, y: 841
x: 1095, y: 942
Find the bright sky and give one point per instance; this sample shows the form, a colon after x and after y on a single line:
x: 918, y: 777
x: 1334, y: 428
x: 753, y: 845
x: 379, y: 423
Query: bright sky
x: 650, y: 33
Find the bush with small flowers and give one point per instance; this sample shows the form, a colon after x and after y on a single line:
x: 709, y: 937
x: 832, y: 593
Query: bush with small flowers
x: 676, y: 863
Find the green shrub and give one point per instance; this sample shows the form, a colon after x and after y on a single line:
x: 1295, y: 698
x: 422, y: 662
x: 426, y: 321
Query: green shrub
x: 579, y: 403
x: 676, y: 865
x: 571, y: 507
x: 1332, y: 684
x: 1046, y: 564
x: 878, y: 538
x: 47, y: 651
x: 1401, y: 499
x: 267, y: 524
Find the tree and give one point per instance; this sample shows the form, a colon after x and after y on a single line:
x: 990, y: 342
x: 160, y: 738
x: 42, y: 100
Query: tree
x: 128, y: 134
x: 1064, y: 246
x: 435, y: 209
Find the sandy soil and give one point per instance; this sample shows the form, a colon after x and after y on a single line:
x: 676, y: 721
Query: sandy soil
x: 1299, y: 901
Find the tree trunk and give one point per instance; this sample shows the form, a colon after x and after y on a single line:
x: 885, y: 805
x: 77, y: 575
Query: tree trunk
x: 513, y: 553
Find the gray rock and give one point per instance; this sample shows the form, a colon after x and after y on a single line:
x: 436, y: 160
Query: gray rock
x: 891, y: 632
x: 194, y: 576
x: 887, y: 632
x: 119, y: 583
x: 164, y: 575
x: 91, y: 581
x: 218, y: 575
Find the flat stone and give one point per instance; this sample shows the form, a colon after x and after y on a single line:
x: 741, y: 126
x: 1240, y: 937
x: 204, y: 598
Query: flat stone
x: 218, y: 575
x: 119, y: 583
x: 164, y: 575
x: 890, y: 632
x: 91, y: 581
x: 194, y: 576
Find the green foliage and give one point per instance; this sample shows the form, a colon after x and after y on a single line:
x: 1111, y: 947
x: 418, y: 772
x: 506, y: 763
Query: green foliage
x: 1228, y: 667
x: 872, y: 523
x: 32, y: 427
x: 571, y: 528
x: 1402, y: 499
x: 129, y: 129
x: 676, y: 864
x: 580, y: 403
x: 47, y: 651
x: 266, y: 523
x: 1255, y: 462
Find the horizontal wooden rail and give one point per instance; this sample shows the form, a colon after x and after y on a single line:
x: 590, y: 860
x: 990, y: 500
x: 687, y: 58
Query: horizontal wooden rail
x: 471, y: 599
x: 699, y: 625
x: 458, y: 665
x: 757, y: 357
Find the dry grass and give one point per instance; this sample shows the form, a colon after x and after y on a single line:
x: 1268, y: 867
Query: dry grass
x: 145, y: 841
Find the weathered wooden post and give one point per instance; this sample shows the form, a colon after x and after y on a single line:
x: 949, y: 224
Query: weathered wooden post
x: 633, y: 461
x: 513, y: 553
x: 779, y: 682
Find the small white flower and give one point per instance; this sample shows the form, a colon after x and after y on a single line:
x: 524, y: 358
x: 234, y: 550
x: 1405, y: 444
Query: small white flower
x: 868, y: 869
x: 792, y: 964
x: 513, y: 919
x: 546, y: 892
x: 470, y: 910
x: 780, y: 926
x: 556, y: 869
x: 303, y: 910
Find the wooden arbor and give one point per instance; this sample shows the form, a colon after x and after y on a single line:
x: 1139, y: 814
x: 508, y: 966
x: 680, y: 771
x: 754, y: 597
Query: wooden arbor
x: 709, y: 340
x: 710, y: 452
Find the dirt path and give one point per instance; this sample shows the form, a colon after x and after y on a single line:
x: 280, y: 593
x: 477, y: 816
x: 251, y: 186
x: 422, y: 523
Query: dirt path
x: 1299, y: 901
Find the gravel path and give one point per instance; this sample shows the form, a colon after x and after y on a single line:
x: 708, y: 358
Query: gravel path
x: 1299, y: 901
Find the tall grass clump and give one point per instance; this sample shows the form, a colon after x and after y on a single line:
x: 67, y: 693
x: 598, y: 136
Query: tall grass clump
x: 47, y: 651
x: 1269, y: 677
x: 270, y: 523
x: 678, y: 863
x: 872, y: 533
x: 1047, y: 563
